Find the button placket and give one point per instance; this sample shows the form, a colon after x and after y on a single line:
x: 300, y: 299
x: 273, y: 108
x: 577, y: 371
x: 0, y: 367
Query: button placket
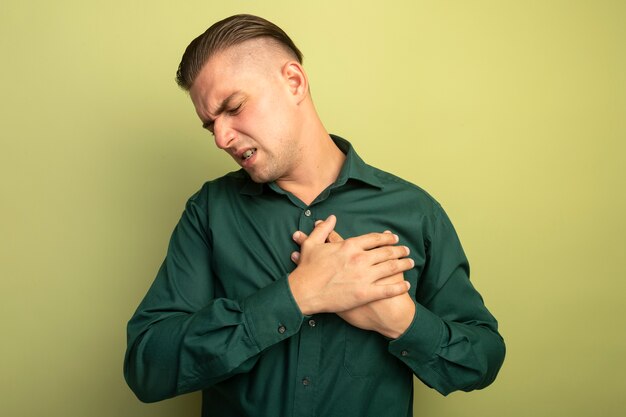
x: 306, y: 220
x: 309, y: 355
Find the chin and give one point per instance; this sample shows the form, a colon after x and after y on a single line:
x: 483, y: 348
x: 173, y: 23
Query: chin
x: 261, y: 179
x: 263, y: 176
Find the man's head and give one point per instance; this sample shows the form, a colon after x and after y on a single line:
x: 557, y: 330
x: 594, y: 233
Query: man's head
x: 246, y: 81
x: 224, y: 34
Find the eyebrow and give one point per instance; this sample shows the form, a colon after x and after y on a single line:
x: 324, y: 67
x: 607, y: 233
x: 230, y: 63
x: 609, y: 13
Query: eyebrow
x: 225, y: 103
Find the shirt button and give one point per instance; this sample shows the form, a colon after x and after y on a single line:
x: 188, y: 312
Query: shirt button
x: 282, y: 329
x: 306, y: 381
x: 312, y: 323
x: 307, y: 213
x: 404, y: 353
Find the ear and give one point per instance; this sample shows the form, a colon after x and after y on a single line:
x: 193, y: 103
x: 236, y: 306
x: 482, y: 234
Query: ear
x: 296, y: 79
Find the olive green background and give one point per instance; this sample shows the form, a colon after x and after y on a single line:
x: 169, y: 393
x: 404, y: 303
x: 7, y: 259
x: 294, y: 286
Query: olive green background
x: 511, y: 113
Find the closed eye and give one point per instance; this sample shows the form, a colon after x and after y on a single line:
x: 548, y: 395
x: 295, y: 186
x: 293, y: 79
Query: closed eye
x: 210, y: 125
x: 235, y: 110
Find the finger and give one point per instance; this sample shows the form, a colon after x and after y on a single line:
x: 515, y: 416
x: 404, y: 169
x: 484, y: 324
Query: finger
x: 334, y: 237
x: 322, y: 230
x: 392, y: 267
x: 299, y: 237
x: 390, y: 280
x: 375, y: 240
x: 387, y: 253
x: 295, y: 257
x: 378, y: 292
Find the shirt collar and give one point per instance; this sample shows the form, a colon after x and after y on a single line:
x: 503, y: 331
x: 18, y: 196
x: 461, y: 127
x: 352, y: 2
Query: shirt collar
x: 353, y: 168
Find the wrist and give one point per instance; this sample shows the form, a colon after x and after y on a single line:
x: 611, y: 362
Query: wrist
x: 398, y: 323
x: 299, y: 293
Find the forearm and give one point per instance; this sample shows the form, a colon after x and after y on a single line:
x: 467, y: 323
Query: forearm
x: 453, y: 342
x: 448, y: 355
x: 173, y: 353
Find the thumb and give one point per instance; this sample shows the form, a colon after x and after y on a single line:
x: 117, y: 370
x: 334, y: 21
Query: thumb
x: 333, y: 237
x: 323, y: 229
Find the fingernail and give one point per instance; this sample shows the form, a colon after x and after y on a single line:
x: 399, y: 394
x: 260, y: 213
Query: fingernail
x: 397, y: 239
x: 318, y: 222
x: 408, y: 285
x: 295, y: 236
x: 408, y: 251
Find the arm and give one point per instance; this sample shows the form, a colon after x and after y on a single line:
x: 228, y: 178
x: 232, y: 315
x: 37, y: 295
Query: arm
x: 446, y: 335
x: 453, y: 342
x: 182, y: 338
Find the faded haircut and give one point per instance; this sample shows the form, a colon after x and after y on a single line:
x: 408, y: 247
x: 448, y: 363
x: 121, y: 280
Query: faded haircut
x: 226, y: 33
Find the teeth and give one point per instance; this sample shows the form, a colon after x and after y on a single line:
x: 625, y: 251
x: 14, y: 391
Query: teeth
x: 247, y: 154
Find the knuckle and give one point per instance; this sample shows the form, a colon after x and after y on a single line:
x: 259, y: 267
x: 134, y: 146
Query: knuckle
x: 371, y: 239
x: 394, y: 267
x: 360, y: 294
x: 357, y: 258
x: 349, y: 243
x: 389, y: 290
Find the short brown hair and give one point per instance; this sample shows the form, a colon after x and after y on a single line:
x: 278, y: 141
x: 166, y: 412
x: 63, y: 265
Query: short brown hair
x: 226, y: 33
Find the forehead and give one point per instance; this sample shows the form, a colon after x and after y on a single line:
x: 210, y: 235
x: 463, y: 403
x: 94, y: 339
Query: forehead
x: 246, y: 68
x: 219, y: 78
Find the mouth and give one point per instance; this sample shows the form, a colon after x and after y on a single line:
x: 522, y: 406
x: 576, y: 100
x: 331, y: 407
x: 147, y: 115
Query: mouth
x: 248, y: 154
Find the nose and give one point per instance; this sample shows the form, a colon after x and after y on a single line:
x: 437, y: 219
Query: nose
x: 223, y: 132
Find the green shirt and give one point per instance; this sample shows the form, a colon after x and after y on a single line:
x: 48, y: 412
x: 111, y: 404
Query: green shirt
x: 220, y: 316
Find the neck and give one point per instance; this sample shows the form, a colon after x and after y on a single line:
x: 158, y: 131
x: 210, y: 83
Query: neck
x: 318, y: 167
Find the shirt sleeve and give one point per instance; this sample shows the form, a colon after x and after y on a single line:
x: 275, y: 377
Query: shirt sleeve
x: 453, y: 342
x: 182, y: 338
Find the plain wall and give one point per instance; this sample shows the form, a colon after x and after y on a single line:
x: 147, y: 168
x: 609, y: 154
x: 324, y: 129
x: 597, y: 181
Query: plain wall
x: 511, y: 113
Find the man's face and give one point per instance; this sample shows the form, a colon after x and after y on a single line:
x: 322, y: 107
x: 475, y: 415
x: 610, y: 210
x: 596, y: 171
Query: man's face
x: 242, y: 97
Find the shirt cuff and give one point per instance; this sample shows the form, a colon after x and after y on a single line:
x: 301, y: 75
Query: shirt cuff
x: 420, y: 342
x: 272, y: 314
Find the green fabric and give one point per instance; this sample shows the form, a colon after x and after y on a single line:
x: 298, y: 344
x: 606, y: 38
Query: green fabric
x: 220, y: 316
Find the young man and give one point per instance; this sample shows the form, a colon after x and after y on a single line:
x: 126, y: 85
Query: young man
x: 260, y: 302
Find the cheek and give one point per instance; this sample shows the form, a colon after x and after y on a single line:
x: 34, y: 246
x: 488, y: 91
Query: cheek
x: 262, y: 120
x: 268, y: 116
